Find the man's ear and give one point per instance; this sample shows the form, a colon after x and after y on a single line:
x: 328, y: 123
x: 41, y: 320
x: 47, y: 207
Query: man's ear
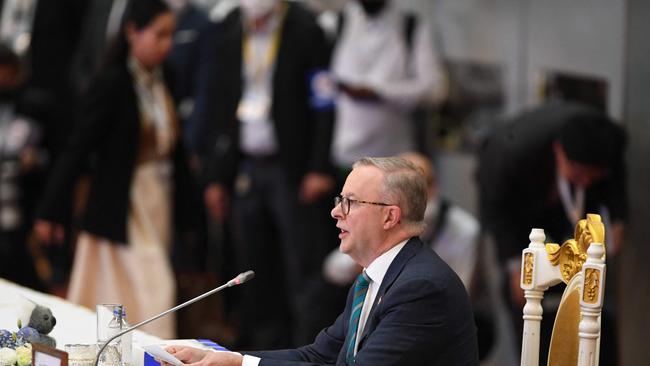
x: 130, y: 31
x: 557, y: 147
x: 392, y: 217
x: 561, y: 160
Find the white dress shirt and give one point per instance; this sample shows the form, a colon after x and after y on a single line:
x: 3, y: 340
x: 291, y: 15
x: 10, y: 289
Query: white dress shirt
x: 376, y: 271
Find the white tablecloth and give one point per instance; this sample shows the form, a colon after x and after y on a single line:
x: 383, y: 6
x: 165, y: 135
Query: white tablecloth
x: 74, y: 323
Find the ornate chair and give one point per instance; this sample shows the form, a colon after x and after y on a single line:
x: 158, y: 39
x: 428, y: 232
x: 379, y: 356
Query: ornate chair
x: 580, y: 263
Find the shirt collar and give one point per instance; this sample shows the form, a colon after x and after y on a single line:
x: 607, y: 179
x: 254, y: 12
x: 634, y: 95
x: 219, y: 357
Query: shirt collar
x: 378, y: 268
x: 271, y: 25
x: 142, y: 75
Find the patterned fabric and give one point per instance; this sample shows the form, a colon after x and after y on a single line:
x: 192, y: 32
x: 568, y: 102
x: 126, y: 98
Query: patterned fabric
x: 360, y: 290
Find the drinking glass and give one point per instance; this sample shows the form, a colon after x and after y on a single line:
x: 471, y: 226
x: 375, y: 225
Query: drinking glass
x: 109, y: 323
x: 81, y: 354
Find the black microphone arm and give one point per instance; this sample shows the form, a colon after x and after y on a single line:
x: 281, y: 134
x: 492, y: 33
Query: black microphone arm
x: 240, y: 279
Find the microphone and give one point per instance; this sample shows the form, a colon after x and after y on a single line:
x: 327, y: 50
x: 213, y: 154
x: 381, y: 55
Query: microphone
x: 240, y: 279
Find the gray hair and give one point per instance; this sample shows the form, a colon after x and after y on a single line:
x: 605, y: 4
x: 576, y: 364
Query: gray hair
x: 404, y: 186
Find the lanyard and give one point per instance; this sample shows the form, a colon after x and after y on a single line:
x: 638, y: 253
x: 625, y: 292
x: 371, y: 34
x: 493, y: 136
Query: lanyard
x: 574, y: 206
x: 255, y: 70
x: 152, y: 102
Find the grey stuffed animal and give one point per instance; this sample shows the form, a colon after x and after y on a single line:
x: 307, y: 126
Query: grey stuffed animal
x: 43, y: 321
x: 40, y: 323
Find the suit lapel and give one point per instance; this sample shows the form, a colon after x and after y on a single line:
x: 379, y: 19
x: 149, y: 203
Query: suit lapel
x: 395, y: 268
x: 282, y: 61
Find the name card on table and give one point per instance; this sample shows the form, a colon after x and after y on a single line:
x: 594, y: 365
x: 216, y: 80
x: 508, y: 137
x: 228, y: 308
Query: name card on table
x: 47, y: 356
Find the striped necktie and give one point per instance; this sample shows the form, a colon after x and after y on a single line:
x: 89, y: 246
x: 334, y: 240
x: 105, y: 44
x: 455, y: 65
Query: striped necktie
x: 360, y: 290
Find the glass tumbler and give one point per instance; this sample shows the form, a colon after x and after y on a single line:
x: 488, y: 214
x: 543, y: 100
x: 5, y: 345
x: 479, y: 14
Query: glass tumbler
x: 81, y: 354
x: 109, y: 323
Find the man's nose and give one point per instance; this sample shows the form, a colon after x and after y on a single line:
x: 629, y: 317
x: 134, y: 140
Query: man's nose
x: 336, y: 212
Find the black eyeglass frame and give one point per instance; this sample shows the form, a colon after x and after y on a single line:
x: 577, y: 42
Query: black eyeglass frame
x: 345, y: 207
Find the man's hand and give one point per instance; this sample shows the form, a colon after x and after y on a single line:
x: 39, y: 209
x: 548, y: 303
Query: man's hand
x: 198, y: 357
x: 516, y: 292
x: 314, y: 186
x: 28, y: 159
x: 216, y: 201
x: 47, y: 232
x: 220, y: 358
x: 359, y: 92
x: 187, y: 354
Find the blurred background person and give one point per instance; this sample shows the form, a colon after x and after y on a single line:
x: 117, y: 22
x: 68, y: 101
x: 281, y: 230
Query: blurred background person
x: 100, y: 27
x: 380, y: 86
x: 267, y: 161
x: 23, y: 160
x: 547, y: 168
x: 45, y: 34
x: 451, y: 231
x: 128, y: 129
x: 192, y: 26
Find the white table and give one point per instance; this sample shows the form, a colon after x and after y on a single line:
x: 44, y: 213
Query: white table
x: 74, y: 323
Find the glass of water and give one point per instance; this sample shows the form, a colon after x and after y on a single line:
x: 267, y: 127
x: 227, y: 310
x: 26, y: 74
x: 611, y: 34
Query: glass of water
x: 109, y: 323
x: 81, y: 354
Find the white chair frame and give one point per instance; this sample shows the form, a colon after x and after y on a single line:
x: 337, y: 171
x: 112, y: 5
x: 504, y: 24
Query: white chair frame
x: 546, y: 265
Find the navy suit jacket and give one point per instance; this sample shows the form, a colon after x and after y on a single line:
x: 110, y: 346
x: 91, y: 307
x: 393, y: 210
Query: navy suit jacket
x: 421, y: 315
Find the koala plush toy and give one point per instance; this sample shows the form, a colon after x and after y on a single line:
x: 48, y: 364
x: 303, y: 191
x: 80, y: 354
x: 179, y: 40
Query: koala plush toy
x: 40, y: 323
x: 43, y: 321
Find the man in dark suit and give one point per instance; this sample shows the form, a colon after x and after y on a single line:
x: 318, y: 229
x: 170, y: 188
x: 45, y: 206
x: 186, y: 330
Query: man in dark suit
x: 547, y: 168
x: 533, y: 169
x: 406, y: 308
x: 192, y: 24
x: 265, y: 148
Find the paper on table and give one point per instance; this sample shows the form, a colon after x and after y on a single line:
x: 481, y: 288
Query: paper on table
x: 159, y: 353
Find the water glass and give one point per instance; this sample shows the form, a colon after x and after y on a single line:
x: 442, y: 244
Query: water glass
x: 109, y: 323
x: 81, y: 354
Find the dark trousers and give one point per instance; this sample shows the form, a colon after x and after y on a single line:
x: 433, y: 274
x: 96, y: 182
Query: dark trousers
x: 282, y: 241
x: 16, y: 263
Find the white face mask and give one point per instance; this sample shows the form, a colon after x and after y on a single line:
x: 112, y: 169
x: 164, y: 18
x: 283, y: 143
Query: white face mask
x: 177, y: 5
x: 255, y: 9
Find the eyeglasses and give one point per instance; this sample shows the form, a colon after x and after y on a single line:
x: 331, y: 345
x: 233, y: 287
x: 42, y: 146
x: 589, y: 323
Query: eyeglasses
x: 347, y: 202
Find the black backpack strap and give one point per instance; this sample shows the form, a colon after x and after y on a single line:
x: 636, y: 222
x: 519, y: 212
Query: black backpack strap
x: 340, y: 17
x: 441, y: 220
x: 410, y: 22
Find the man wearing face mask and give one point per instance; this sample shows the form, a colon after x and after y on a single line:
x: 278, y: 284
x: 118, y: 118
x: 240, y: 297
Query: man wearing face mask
x: 265, y: 148
x: 385, y: 66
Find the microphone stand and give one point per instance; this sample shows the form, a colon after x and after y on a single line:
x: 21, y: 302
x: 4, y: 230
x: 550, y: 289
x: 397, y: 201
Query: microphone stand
x: 240, y: 279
